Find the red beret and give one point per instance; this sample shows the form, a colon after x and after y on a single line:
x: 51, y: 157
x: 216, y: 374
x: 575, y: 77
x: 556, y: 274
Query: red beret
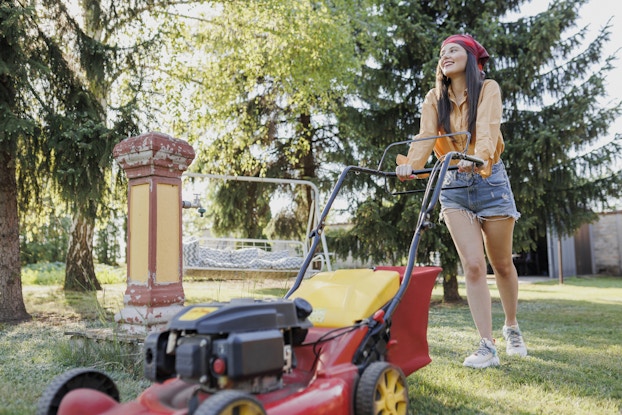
x: 472, y: 45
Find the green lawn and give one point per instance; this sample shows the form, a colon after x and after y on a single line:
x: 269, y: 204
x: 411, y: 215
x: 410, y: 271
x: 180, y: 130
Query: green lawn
x: 574, y: 335
x: 573, y: 331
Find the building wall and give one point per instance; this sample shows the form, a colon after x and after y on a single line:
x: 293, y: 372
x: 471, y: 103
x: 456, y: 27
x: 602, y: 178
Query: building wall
x: 607, y: 243
x: 565, y: 248
x: 595, y: 249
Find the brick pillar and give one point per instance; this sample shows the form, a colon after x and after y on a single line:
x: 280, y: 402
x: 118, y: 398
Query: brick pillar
x: 153, y: 163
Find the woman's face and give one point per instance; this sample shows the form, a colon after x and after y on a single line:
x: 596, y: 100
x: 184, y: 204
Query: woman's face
x: 453, y: 60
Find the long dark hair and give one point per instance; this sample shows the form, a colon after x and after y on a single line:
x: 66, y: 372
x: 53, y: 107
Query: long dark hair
x: 474, y: 81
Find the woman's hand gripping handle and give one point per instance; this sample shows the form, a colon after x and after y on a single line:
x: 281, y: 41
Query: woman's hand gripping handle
x: 404, y: 170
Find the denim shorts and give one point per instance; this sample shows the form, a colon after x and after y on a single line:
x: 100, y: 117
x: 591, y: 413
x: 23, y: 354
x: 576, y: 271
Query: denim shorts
x: 479, y: 197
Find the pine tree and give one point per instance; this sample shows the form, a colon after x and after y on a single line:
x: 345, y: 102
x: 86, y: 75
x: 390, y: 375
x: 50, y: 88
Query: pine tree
x: 78, y: 142
x: 562, y: 171
x: 557, y: 182
x: 17, y: 134
x: 98, y: 58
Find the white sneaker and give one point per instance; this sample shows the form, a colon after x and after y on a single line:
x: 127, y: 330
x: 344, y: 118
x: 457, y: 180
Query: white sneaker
x: 514, y: 343
x: 483, y: 357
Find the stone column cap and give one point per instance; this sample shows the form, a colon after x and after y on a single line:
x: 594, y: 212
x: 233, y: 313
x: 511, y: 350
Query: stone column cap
x: 153, y: 154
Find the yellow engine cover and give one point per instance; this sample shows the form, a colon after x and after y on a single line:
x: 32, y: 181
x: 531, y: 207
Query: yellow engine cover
x: 340, y: 298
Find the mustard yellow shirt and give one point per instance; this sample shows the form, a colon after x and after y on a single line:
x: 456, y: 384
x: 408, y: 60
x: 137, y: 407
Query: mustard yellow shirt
x: 489, y: 142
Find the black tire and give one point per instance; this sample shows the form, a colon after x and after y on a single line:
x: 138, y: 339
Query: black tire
x: 61, y: 385
x: 381, y: 390
x: 231, y: 402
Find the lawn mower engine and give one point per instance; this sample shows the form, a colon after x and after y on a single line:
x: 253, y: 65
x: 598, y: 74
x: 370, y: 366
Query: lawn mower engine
x: 243, y: 344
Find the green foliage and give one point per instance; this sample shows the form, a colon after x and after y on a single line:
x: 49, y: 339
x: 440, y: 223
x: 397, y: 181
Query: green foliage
x: 76, y: 143
x: 285, y: 225
x: 299, y: 52
x: 44, y: 235
x: 86, y: 60
x: 263, y: 79
x: 294, y: 89
x: 370, y: 228
x: 18, y: 135
x: 561, y: 171
x: 236, y: 203
x: 297, y: 90
x: 551, y: 83
x: 19, y: 61
x: 111, y: 274
x: 45, y: 273
x: 107, y: 247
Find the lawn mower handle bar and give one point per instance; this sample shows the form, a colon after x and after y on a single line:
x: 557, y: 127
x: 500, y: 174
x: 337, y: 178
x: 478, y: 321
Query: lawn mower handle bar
x: 437, y: 173
x: 414, y: 140
x: 453, y: 156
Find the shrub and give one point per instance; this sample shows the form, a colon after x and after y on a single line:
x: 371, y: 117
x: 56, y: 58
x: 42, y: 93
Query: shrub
x: 45, y: 273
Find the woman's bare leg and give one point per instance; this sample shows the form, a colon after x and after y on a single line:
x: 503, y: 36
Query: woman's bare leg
x: 466, y: 233
x: 498, y: 234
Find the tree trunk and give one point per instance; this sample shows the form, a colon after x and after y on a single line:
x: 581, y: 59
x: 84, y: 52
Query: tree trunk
x: 79, y: 267
x: 12, y: 308
x: 450, y: 285
x: 450, y: 289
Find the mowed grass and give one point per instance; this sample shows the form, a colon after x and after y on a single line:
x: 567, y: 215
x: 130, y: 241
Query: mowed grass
x: 573, y: 331
x: 574, y: 336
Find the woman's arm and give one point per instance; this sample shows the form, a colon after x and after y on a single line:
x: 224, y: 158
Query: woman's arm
x: 420, y: 151
x: 488, y: 123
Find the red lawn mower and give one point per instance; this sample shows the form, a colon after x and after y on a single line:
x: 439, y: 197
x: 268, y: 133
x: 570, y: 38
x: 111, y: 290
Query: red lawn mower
x: 339, y: 342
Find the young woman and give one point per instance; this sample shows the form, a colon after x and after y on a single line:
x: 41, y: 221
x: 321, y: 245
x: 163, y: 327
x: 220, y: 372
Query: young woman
x: 480, y: 212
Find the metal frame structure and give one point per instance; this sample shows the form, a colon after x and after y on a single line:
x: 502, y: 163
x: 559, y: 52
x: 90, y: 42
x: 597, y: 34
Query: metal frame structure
x: 314, y: 211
